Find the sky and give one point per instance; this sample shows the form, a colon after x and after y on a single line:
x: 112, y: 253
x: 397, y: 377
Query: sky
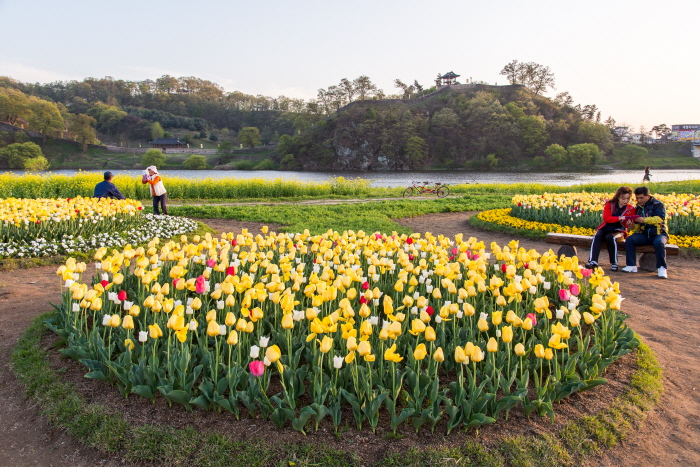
x: 638, y: 61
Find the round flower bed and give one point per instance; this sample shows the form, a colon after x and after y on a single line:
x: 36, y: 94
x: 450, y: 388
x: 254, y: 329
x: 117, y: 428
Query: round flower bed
x: 47, y: 227
x: 420, y: 328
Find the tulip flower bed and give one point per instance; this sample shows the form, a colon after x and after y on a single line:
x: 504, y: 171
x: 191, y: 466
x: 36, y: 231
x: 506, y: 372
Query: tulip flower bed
x: 585, y: 210
x: 45, y: 227
x: 417, y: 329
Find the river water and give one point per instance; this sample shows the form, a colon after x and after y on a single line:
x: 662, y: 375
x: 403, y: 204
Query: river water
x: 399, y: 179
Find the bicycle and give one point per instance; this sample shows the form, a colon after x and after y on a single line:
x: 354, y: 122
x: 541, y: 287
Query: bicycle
x: 439, y: 189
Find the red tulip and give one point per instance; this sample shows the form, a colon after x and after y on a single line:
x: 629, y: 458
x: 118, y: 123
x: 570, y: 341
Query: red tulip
x: 564, y: 295
x: 363, y: 300
x: 140, y: 208
x: 504, y: 267
x: 365, y: 285
x: 455, y: 251
x: 469, y: 254
x: 230, y: 271
x: 122, y: 295
x: 411, y: 257
x: 409, y: 240
x: 429, y: 310
x: 533, y: 318
x: 104, y: 283
x: 575, y: 289
x: 234, y: 242
x: 257, y: 368
x: 199, y: 284
x: 175, y: 281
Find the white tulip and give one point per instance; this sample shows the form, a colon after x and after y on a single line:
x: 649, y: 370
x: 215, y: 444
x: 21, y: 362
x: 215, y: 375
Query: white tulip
x: 254, y: 351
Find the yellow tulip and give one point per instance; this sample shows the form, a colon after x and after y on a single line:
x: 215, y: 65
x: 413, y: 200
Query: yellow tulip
x: 527, y: 324
x: 477, y: 355
x: 391, y: 355
x: 482, y: 325
x: 273, y: 353
x: 154, y: 331
x: 230, y: 319
x: 438, y: 355
x: 417, y: 327
x: 556, y: 343
x: 128, y: 322
x: 365, y: 348
x: 115, y: 321
x: 129, y: 344
x: 196, y: 304
x: 351, y: 344
x: 588, y: 318
x: 213, y: 328
x: 539, y: 351
x: 326, y: 344
x: 232, y: 338
x: 420, y: 352
x: 548, y: 354
x: 496, y: 317
x: 461, y: 355
x: 492, y: 345
x: 134, y: 311
x: 287, y: 321
x: 211, y: 315
x: 507, y: 334
x: 519, y: 350
x: 429, y: 334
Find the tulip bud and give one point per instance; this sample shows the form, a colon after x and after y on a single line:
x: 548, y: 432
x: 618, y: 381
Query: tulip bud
x: 232, y: 337
x: 492, y: 345
x: 337, y: 362
x: 439, y: 356
x: 254, y: 351
x: 519, y: 350
x: 143, y: 336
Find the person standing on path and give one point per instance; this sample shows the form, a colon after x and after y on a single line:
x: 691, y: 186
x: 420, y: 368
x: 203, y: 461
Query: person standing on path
x: 647, y: 175
x: 152, y: 177
x: 107, y: 189
x: 650, y: 229
x: 615, y: 214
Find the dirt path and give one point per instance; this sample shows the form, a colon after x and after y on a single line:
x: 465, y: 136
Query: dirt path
x: 670, y: 436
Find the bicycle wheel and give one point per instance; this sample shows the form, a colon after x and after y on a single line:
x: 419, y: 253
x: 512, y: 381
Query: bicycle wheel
x: 408, y: 192
x: 442, y: 191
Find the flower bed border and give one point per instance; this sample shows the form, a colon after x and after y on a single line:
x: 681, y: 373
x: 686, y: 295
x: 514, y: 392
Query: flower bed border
x: 95, y: 426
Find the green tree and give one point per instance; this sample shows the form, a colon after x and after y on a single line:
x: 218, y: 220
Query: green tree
x: 36, y: 164
x: 82, y: 128
x: 583, y: 155
x: 533, y: 133
x: 18, y: 154
x: 153, y: 157
x: 289, y: 162
x: 107, y: 116
x: 556, y: 153
x: 225, y: 150
x: 249, y: 136
x: 596, y: 133
x: 537, y: 78
x: 632, y: 153
x: 14, y: 106
x: 45, y: 118
x: 195, y: 162
x: 539, y: 162
x: 492, y: 161
x: 416, y: 150
x: 157, y: 131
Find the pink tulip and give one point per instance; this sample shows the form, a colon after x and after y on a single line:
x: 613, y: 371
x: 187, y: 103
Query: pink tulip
x: 230, y: 271
x: 564, y: 295
x: 257, y: 368
x: 469, y: 254
x: 175, y: 281
x: 586, y: 272
x: 575, y: 289
x: 211, y: 263
x: 533, y: 318
x: 199, y: 284
x: 122, y: 295
x: 455, y: 251
x: 475, y: 257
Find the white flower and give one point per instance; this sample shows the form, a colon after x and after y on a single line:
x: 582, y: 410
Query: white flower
x: 547, y: 285
x: 267, y: 362
x: 222, y: 330
x: 189, y: 301
x: 337, y: 362
x: 128, y: 304
x: 532, y: 290
x: 297, y: 315
x: 560, y: 313
x: 483, y: 316
x: 498, y: 333
x: 76, y: 308
x: 143, y: 336
x: 438, y: 319
x: 373, y: 320
x: 220, y: 305
x: 264, y: 341
x: 68, y: 283
x: 106, y: 319
x: 414, y: 310
x: 193, y: 325
x: 189, y: 310
x: 459, y: 314
x: 254, y: 351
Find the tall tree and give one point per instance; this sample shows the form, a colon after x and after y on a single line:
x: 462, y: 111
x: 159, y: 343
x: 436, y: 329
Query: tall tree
x: 249, y: 136
x: 157, y: 131
x: 14, y: 106
x: 45, y: 117
x: 537, y: 78
x: 82, y: 128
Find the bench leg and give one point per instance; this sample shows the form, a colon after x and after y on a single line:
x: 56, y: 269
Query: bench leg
x: 567, y: 250
x: 647, y: 262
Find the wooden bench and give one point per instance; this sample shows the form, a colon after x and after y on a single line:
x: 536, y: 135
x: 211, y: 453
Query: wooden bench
x: 569, y: 243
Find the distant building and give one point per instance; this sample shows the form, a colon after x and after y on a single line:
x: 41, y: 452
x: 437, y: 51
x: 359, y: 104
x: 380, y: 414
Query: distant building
x: 166, y: 143
x: 684, y: 132
x: 448, y: 79
x: 623, y: 132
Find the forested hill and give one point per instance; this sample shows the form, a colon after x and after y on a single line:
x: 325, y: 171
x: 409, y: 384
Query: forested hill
x: 468, y: 126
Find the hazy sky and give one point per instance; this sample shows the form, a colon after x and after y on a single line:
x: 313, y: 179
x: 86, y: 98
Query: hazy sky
x: 639, y: 61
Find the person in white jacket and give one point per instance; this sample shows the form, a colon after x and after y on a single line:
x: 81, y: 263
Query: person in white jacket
x: 152, y: 177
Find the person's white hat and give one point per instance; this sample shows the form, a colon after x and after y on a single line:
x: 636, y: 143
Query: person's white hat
x: 153, y: 168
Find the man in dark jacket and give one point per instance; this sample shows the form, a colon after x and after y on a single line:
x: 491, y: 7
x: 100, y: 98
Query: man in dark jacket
x: 107, y: 189
x: 649, y: 229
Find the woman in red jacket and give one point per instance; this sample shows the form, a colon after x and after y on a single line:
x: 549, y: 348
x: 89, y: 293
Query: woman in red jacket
x: 616, y: 213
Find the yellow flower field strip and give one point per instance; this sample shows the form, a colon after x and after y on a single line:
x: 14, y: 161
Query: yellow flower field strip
x: 503, y: 217
x: 17, y: 211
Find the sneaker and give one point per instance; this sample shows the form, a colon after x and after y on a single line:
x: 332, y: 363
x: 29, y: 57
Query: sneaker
x: 629, y: 269
x: 591, y: 265
x: 662, y: 273
x: 614, y: 267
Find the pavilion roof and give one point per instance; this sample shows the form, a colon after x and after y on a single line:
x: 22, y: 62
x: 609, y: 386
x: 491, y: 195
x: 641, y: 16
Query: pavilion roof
x: 450, y: 75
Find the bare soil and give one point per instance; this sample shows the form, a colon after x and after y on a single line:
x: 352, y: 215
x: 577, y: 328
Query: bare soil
x: 664, y: 313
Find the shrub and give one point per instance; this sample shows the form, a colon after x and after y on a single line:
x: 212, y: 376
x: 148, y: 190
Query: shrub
x: 18, y: 154
x: 267, y: 164
x: 195, y: 162
x: 244, y: 165
x: 153, y: 157
x: 37, y: 163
